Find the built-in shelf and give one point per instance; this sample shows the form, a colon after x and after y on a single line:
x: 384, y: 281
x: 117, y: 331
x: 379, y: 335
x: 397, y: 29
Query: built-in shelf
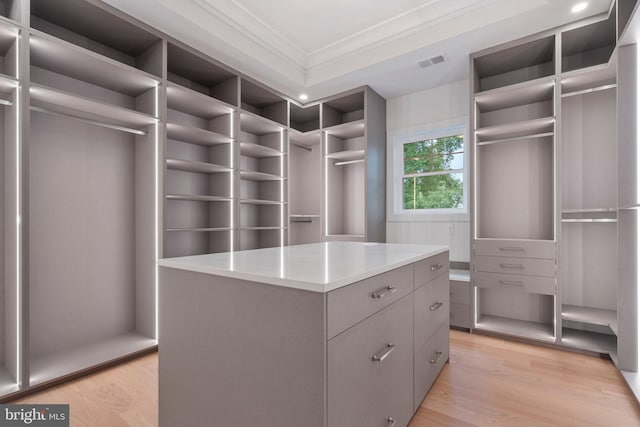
x: 198, y: 230
x: 262, y: 228
x: 197, y: 198
x: 193, y: 166
x: 519, y: 94
x: 516, y: 139
x: 195, y: 103
x: 593, y: 316
x: 515, y: 327
x: 347, y: 155
x: 74, y: 61
x: 7, y: 84
x: 598, y: 215
x: 56, y: 101
x: 589, y: 210
x: 196, y: 136
x: 258, y: 151
x: 589, y: 220
x: 258, y: 125
x: 585, y: 80
x: 347, y: 130
x: 303, y: 216
x: 261, y: 202
x: 590, y: 341
x: 304, y: 140
x: 53, y: 366
x: 259, y: 176
x: 517, y: 130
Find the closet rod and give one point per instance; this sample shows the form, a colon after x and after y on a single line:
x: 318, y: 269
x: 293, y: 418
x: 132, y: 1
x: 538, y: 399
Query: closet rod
x: 304, y: 147
x: 5, y: 102
x: 301, y: 220
x: 92, y: 122
x: 350, y: 162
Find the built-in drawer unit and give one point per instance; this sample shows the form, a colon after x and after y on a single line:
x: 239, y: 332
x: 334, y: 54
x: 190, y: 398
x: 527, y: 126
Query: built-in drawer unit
x: 430, y: 309
x: 460, y: 315
x: 530, y: 284
x: 519, y: 266
x: 351, y: 304
x: 428, y: 362
x: 516, y: 248
x: 459, y: 292
x: 430, y: 268
x: 369, y: 370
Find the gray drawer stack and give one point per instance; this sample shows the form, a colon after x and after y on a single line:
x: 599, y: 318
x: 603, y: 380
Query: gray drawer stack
x: 460, y: 299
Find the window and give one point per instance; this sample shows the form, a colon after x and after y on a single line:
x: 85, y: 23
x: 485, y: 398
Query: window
x: 433, y: 173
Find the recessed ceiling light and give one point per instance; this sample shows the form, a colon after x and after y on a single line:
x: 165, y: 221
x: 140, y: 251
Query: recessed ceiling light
x: 303, y: 97
x: 579, y: 7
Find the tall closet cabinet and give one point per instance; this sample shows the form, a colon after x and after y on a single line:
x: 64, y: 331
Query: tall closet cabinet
x: 119, y: 146
x: 545, y: 178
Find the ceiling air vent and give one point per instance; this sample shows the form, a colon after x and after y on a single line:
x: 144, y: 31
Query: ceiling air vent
x: 431, y: 61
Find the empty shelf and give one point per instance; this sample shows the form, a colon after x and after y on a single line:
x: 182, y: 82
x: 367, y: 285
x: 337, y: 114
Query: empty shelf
x: 303, y: 216
x: 518, y: 328
x: 517, y: 131
x: 347, y: 130
x: 304, y: 139
x: 195, y: 103
x: 250, y: 149
x: 262, y: 228
x: 7, y: 84
x: 589, y: 220
x: 258, y: 125
x: 74, y: 61
x: 593, y: 316
x: 589, y: 79
x: 193, y: 166
x: 196, y: 198
x: 260, y: 202
x: 259, y: 176
x: 196, y: 135
x: 56, y: 101
x: 589, y: 211
x: 347, y: 155
x: 198, y: 230
x: 520, y: 94
x: 590, y: 341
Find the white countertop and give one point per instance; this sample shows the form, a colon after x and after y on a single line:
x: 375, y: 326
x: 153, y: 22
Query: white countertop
x: 319, y: 267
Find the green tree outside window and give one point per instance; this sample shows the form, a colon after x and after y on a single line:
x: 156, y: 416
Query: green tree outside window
x: 433, y: 173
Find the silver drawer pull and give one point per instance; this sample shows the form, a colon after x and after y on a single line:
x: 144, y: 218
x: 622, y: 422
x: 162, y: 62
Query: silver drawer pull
x: 435, y: 359
x: 391, y: 422
x: 509, y: 282
x: 435, y: 306
x: 513, y: 266
x: 384, y: 292
x: 435, y: 267
x: 383, y: 354
x: 512, y: 248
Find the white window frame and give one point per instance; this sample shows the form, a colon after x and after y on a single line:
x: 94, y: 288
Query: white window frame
x: 396, y: 211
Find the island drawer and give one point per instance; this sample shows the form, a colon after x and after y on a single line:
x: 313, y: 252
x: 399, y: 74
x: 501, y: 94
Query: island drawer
x: 516, y: 248
x: 519, y: 266
x: 431, y: 303
x: 430, y: 268
x: 369, y: 369
x: 529, y: 284
x: 351, y: 304
x: 428, y: 362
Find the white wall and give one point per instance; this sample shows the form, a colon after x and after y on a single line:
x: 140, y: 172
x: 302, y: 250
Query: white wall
x: 414, y: 113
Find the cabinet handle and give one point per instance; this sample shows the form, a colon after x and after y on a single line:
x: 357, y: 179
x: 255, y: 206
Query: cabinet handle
x: 384, y: 292
x: 391, y: 422
x: 378, y: 357
x: 435, y: 267
x: 514, y: 266
x: 435, y: 306
x: 512, y: 248
x: 435, y: 359
x: 509, y: 282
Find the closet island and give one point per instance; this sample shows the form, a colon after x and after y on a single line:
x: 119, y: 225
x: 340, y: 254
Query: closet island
x: 325, y: 334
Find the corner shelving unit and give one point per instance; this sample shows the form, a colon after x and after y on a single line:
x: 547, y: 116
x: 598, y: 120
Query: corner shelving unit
x: 92, y: 151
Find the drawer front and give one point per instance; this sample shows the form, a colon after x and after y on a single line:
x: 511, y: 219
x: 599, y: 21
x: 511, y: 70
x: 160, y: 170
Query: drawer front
x: 518, y: 266
x: 361, y: 389
x: 430, y: 268
x: 459, y: 292
x: 516, y: 248
x: 351, y: 304
x: 459, y: 315
x: 431, y: 308
x: 530, y: 284
x: 428, y: 363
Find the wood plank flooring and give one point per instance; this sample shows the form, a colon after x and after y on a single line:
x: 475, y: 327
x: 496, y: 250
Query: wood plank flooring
x: 488, y: 382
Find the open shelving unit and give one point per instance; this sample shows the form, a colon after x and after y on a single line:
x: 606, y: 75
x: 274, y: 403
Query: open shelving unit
x: 94, y: 135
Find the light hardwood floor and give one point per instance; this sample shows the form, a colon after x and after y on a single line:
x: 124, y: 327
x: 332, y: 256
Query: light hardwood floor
x: 488, y: 382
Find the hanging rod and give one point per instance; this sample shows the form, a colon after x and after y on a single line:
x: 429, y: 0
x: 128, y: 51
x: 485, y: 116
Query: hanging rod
x: 301, y: 220
x: 304, y: 147
x: 349, y: 162
x: 92, y: 122
x: 5, y: 102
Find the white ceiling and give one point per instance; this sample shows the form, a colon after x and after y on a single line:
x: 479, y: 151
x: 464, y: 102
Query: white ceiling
x: 322, y: 47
